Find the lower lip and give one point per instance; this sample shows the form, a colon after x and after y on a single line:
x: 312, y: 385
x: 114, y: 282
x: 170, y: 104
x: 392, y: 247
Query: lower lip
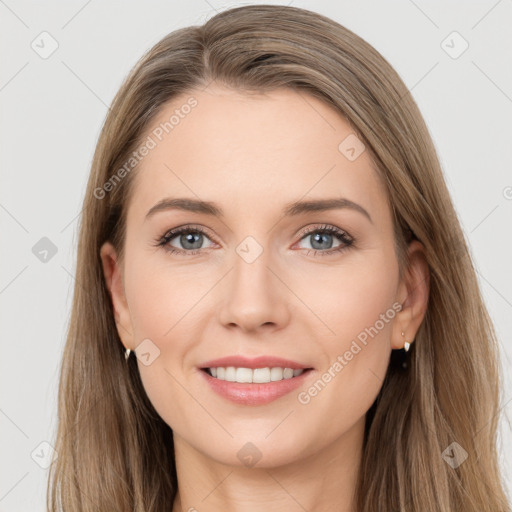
x: 254, y: 394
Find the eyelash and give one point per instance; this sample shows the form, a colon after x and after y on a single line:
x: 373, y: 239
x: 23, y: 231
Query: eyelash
x: 341, y: 235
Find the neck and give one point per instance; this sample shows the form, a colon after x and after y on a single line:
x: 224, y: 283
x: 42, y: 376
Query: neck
x: 323, y: 481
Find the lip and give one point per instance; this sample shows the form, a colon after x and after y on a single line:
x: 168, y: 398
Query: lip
x: 256, y: 362
x: 245, y: 393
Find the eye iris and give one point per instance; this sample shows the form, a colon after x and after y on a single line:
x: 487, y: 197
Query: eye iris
x: 194, y: 238
x: 319, y: 237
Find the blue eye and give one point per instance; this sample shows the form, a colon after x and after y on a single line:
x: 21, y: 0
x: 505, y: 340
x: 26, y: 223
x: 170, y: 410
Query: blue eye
x: 191, y: 239
x: 325, y: 235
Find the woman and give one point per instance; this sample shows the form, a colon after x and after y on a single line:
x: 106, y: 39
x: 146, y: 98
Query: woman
x: 270, y: 369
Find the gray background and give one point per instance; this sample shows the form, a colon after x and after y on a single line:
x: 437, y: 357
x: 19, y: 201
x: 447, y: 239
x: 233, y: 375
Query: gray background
x: 52, y: 112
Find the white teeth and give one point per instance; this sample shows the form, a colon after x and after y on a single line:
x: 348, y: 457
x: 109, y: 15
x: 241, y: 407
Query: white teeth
x: 276, y: 374
x: 243, y: 375
x: 230, y: 374
x: 258, y: 375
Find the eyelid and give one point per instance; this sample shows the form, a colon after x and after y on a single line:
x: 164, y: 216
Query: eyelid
x: 188, y: 227
x: 322, y: 227
x: 174, y: 232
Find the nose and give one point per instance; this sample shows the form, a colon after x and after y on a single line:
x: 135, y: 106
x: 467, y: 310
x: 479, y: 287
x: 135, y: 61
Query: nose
x: 254, y: 296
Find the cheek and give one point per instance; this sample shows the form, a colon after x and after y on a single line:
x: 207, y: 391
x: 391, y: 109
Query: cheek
x: 350, y: 298
x: 165, y: 308
x: 366, y: 318
x: 357, y: 305
x: 159, y: 303
x: 162, y: 299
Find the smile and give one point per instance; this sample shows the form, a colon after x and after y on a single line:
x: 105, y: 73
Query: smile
x: 257, y: 386
x: 256, y: 375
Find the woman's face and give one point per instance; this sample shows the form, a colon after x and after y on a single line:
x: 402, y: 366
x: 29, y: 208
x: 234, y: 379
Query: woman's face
x: 262, y: 278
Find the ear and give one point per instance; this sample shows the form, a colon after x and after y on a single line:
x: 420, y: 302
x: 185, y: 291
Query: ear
x: 114, y: 280
x: 413, y: 293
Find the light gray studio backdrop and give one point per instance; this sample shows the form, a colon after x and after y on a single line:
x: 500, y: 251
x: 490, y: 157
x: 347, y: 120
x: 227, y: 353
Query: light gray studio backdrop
x: 62, y: 63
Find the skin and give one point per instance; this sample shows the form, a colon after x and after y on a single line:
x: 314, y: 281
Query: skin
x: 251, y: 155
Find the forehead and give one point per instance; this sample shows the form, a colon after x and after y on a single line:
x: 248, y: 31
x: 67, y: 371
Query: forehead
x: 251, y: 151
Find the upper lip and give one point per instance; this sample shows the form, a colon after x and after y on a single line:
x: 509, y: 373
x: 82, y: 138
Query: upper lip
x: 255, y: 362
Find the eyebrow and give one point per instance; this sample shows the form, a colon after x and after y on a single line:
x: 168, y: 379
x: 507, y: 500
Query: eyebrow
x: 290, y: 210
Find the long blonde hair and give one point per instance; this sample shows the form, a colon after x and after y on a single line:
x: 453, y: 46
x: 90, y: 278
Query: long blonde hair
x: 116, y: 453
